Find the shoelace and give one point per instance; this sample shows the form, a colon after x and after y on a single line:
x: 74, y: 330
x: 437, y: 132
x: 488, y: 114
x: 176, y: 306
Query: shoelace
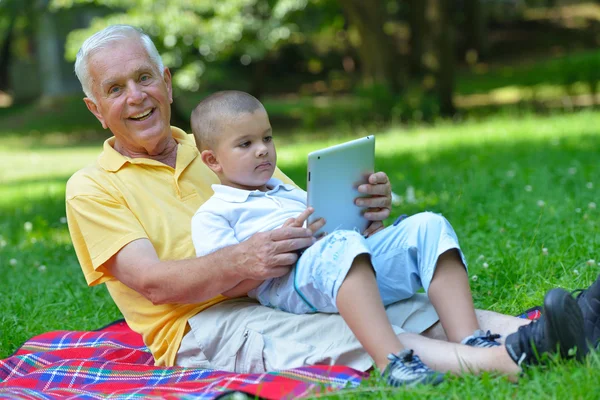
x: 483, y: 339
x: 410, y: 361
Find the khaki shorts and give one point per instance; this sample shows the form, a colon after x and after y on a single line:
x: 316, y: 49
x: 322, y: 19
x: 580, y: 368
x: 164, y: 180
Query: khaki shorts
x: 243, y: 336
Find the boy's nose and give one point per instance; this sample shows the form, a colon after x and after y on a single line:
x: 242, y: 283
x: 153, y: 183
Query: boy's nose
x: 262, y: 151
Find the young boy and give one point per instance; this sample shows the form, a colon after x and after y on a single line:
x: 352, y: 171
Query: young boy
x: 342, y: 272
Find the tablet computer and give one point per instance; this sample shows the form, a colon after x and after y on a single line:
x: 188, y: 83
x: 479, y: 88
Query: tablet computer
x: 334, y: 175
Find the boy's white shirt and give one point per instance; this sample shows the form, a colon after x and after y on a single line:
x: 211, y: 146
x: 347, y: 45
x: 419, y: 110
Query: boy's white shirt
x: 232, y: 215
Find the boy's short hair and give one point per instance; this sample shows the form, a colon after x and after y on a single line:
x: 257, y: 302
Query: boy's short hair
x: 212, y: 111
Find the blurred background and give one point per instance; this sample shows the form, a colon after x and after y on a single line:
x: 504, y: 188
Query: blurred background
x: 315, y: 63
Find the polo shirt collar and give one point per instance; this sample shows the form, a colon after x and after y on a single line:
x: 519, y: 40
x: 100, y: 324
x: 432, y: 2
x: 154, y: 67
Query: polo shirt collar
x: 111, y: 160
x: 235, y: 195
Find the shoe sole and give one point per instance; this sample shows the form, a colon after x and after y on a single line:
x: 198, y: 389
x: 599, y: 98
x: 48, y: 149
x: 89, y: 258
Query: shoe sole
x: 590, y: 307
x: 564, y: 324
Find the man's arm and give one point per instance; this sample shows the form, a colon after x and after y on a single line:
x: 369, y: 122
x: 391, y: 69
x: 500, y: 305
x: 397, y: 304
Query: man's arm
x: 265, y: 255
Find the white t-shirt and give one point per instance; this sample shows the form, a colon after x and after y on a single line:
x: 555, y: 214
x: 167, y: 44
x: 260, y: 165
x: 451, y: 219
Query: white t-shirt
x: 232, y: 215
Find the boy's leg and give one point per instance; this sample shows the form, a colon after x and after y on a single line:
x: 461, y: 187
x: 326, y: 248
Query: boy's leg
x: 423, y: 251
x: 336, y: 275
x: 359, y: 303
x: 450, y: 294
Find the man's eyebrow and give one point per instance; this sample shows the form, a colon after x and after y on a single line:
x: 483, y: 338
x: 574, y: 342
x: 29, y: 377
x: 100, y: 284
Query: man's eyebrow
x: 111, y: 81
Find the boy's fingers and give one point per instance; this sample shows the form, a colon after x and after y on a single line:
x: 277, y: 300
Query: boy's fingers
x: 318, y: 224
x: 373, y: 228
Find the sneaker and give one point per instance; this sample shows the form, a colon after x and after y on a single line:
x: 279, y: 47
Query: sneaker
x: 589, y: 302
x: 560, y: 327
x: 480, y: 338
x: 407, y: 369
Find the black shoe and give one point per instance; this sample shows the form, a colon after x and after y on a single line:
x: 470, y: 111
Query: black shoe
x: 558, y: 331
x: 589, y: 302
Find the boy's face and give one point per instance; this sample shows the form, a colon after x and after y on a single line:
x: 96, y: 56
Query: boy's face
x: 245, y: 153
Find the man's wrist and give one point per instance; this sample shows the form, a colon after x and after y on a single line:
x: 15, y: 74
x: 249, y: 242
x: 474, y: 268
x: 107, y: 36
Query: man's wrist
x: 233, y: 259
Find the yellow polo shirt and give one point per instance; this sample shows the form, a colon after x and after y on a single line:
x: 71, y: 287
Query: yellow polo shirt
x: 119, y: 199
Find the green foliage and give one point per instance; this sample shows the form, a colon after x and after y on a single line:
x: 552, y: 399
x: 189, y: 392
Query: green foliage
x: 192, y: 34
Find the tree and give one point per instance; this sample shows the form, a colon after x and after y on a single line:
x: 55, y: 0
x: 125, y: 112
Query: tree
x: 191, y: 34
x: 476, y: 27
x: 380, y: 61
x: 417, y: 25
x: 15, y: 15
x: 440, y: 15
x: 5, y: 55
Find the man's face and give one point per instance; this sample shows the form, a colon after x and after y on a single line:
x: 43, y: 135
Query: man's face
x: 245, y: 151
x: 132, y: 98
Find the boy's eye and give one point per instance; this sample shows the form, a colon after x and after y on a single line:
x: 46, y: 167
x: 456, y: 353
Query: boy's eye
x: 245, y: 144
x: 267, y: 139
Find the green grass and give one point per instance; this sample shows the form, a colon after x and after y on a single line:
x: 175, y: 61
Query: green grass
x: 510, y: 186
x: 551, y: 71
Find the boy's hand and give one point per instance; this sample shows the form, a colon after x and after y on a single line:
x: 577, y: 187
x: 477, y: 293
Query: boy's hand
x: 373, y: 228
x: 380, y: 200
x: 300, y: 219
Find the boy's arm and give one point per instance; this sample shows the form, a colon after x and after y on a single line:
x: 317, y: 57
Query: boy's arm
x: 211, y: 232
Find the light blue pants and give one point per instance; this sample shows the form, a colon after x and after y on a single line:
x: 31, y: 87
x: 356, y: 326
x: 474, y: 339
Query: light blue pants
x: 403, y: 256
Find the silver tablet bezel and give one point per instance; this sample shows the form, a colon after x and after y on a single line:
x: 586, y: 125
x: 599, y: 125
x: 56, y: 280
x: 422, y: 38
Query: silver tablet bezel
x: 333, y: 176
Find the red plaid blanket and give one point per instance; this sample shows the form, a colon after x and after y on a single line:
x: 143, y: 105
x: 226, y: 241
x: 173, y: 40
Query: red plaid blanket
x: 113, y: 361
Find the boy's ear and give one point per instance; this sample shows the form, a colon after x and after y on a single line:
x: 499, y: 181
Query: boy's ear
x: 210, y: 159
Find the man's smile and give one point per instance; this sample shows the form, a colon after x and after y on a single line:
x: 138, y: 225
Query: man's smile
x: 143, y: 115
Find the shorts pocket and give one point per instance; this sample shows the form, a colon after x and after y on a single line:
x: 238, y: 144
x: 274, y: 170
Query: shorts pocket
x: 249, y: 357
x: 282, y: 353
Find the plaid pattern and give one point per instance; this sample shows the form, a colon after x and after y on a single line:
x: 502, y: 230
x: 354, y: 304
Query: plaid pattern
x: 113, y: 362
x: 532, y: 313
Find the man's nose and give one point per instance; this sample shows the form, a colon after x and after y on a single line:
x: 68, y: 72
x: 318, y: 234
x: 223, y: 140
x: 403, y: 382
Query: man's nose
x: 135, y: 94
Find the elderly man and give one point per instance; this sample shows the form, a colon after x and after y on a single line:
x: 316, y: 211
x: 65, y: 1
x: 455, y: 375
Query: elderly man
x: 129, y: 217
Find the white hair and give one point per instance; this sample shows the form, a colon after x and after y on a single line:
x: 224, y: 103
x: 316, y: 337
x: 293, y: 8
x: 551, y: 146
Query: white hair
x: 101, y: 40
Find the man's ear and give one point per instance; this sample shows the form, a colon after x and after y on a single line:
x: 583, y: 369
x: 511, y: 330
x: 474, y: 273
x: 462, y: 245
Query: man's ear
x: 210, y: 159
x: 94, y: 110
x: 169, y: 82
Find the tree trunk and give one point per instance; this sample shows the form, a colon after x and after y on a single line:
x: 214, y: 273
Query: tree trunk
x: 259, y: 72
x: 476, y: 27
x: 443, y: 32
x: 417, y: 35
x: 379, y: 59
x: 5, y: 56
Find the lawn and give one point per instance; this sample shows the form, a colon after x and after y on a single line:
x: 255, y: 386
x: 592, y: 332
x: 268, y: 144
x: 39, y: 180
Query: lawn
x: 521, y: 193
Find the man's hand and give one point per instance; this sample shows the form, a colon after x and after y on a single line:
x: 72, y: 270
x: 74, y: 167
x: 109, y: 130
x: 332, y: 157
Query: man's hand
x: 271, y: 254
x: 378, y: 204
x: 303, y: 217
